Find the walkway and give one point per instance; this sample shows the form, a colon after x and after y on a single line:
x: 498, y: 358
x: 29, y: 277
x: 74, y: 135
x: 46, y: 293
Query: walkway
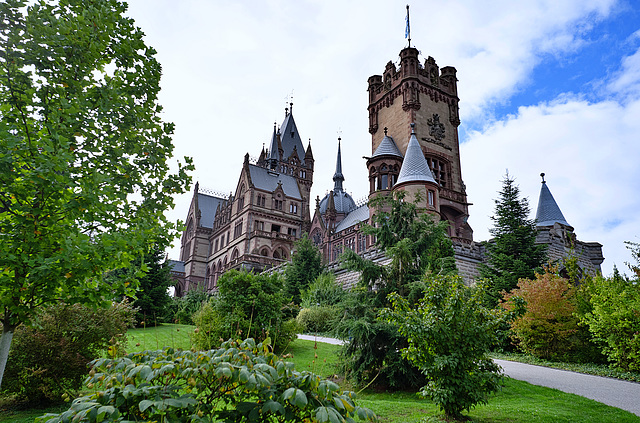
x: 614, y: 392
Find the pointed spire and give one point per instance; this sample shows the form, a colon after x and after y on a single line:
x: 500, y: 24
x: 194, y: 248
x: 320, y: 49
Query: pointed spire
x: 548, y: 211
x: 273, y: 156
x: 308, y: 154
x: 338, y: 178
x: 415, y: 167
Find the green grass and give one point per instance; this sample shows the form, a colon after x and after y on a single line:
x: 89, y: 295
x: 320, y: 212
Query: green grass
x: 319, y: 358
x: 518, y: 402
x: 156, y: 338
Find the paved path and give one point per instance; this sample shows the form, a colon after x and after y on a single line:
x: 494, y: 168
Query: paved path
x: 613, y: 392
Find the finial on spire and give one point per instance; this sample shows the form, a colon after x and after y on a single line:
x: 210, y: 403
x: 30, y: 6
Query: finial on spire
x: 413, y: 128
x: 407, y: 31
x: 542, y: 175
x: 385, y: 131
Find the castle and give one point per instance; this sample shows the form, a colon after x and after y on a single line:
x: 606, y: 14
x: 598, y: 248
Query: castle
x: 413, y: 121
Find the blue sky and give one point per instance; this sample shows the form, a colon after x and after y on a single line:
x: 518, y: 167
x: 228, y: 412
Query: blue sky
x: 545, y: 86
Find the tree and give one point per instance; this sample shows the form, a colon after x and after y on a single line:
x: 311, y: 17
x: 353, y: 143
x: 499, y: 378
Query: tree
x: 450, y: 335
x: 83, y: 155
x: 248, y: 306
x: 513, y: 253
x: 416, y: 244
x: 152, y: 299
x: 305, y: 267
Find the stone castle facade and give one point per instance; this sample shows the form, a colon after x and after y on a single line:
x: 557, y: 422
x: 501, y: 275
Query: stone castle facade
x: 413, y: 122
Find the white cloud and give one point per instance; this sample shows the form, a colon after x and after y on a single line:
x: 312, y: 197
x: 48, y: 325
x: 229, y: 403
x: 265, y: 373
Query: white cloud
x: 229, y: 65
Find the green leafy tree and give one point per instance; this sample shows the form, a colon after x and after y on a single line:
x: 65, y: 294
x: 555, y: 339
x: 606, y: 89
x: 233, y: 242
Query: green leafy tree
x: 513, y: 253
x: 247, y: 305
x: 416, y: 244
x: 450, y: 334
x: 84, y: 155
x: 305, y: 267
x: 613, y: 318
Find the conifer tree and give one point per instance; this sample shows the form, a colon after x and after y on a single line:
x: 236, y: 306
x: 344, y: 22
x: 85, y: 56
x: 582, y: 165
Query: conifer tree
x: 305, y: 267
x: 512, y: 254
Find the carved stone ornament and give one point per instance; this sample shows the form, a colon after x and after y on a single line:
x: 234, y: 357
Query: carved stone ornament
x: 436, y: 128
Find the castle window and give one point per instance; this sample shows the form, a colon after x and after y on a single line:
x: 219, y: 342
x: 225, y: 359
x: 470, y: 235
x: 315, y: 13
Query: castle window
x: 228, y: 237
x: 362, y: 242
x: 351, y: 243
x: 237, y: 231
x: 431, y: 198
x: 293, y: 208
x: 215, y: 246
x: 261, y: 200
x: 210, y: 247
x: 278, y: 204
x: 303, y: 174
x: 258, y: 225
x: 337, y: 250
x: 240, y: 203
x: 275, y: 228
x: 291, y: 231
x: 440, y: 170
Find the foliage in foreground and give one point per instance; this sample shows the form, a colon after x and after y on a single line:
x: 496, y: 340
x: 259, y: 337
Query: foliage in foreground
x: 238, y: 382
x: 450, y: 335
x: 247, y: 305
x: 50, y: 358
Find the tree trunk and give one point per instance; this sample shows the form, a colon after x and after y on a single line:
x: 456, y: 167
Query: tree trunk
x: 5, y: 344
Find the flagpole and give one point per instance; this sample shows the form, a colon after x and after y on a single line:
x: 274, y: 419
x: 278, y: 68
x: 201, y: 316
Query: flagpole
x: 407, y: 32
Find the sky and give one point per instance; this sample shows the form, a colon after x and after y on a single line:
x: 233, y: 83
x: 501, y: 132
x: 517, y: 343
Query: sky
x: 547, y: 86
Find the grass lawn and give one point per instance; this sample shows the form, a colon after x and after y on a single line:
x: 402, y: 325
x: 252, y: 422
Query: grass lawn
x: 156, y: 338
x: 518, y: 402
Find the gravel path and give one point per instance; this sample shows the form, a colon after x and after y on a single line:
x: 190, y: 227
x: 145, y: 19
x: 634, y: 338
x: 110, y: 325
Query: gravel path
x: 613, y: 392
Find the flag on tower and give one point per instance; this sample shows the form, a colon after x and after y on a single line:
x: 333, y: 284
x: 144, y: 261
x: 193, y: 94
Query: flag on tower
x: 407, y: 31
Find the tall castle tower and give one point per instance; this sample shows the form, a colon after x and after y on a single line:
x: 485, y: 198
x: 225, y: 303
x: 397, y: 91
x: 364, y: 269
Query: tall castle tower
x: 427, y: 96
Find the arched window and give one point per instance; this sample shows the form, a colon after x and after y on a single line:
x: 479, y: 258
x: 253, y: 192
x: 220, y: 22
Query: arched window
x: 234, y: 255
x: 264, y: 252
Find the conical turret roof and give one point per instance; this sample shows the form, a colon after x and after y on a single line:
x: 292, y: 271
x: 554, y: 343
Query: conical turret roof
x: 387, y: 147
x: 548, y: 211
x: 414, y: 166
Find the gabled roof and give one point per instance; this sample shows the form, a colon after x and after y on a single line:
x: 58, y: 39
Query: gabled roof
x: 387, y: 147
x: 208, y: 205
x: 414, y: 166
x: 548, y: 211
x: 268, y: 180
x: 290, y: 138
x: 361, y: 214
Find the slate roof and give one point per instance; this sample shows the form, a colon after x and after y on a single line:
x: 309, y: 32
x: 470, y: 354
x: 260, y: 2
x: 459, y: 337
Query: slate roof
x: 290, y: 137
x: 414, y: 166
x: 344, y: 203
x: 267, y: 180
x: 548, y: 211
x: 176, y: 266
x: 387, y: 147
x: 208, y: 205
x: 361, y: 214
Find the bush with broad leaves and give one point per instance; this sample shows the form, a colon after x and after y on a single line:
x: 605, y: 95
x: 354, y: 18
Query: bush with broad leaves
x: 239, y: 382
